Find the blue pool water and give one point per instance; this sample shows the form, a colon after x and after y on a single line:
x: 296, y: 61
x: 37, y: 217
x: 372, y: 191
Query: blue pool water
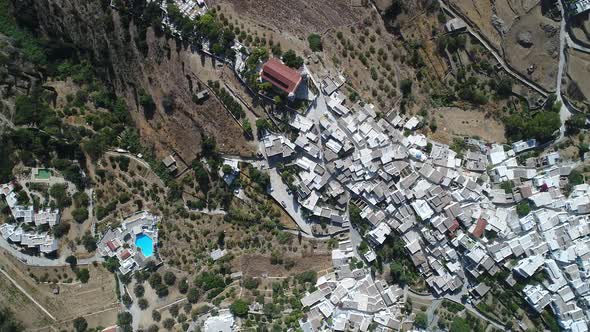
x: 145, y: 244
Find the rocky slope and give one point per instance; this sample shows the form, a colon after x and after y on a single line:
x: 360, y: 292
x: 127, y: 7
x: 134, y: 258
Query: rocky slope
x: 133, y: 58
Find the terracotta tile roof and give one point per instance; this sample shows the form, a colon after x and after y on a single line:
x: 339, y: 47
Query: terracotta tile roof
x: 281, y: 76
x: 479, y: 228
x: 111, y: 244
x: 125, y: 254
x: 454, y: 226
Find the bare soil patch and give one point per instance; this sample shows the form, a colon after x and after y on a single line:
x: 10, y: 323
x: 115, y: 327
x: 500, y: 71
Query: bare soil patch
x: 24, y: 310
x: 454, y: 121
x: 298, y: 17
x: 542, y: 34
x: 95, y: 298
x: 259, y: 265
x: 578, y: 68
x: 501, y: 23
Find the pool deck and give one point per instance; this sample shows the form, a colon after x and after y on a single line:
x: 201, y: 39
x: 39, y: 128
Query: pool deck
x: 133, y: 226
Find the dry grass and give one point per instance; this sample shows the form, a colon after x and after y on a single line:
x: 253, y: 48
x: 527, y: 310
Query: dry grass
x: 453, y: 121
x: 96, y: 299
x: 259, y: 265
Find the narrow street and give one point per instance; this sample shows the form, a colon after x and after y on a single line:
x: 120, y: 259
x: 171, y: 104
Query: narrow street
x: 280, y: 194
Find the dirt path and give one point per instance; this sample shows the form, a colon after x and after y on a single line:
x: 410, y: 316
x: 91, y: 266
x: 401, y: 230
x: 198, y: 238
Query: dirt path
x: 27, y: 294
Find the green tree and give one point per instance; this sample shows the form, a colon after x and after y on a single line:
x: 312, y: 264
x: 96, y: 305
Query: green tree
x: 239, y: 308
x: 251, y: 283
x: 575, y: 178
x: 575, y: 123
x: 139, y: 290
x: 81, y: 199
x: 60, y: 229
x: 143, y: 304
x: 7, y: 320
x: 168, y: 323
x: 193, y: 295
x: 127, y: 300
x: 124, y: 318
x: 72, y: 260
x: 406, y: 87
x: 292, y: 60
x: 183, y: 286
x: 504, y: 87
x: 247, y: 127
x: 89, y: 242
x: 80, y: 214
x: 421, y: 320
x: 80, y: 324
x: 169, y: 278
x: 59, y: 193
x: 156, y: 316
x: 83, y: 275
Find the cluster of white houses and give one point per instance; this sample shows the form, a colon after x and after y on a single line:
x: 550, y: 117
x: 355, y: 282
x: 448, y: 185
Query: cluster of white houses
x: 351, y: 299
x: 24, y: 231
x: 456, y: 213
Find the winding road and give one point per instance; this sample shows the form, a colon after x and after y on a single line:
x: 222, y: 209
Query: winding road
x: 43, y: 261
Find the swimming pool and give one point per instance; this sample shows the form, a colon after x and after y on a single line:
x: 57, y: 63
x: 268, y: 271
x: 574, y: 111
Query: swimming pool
x: 43, y: 174
x: 145, y: 244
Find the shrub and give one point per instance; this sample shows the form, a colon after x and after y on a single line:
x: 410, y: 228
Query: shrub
x: 523, y: 208
x: 193, y: 295
x: 315, y: 42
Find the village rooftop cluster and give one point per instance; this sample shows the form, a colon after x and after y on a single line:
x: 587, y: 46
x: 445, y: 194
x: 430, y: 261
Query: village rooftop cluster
x: 453, y: 212
x: 351, y: 299
x: 24, y: 231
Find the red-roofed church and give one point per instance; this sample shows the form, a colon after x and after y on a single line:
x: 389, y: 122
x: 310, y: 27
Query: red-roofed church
x: 281, y: 76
